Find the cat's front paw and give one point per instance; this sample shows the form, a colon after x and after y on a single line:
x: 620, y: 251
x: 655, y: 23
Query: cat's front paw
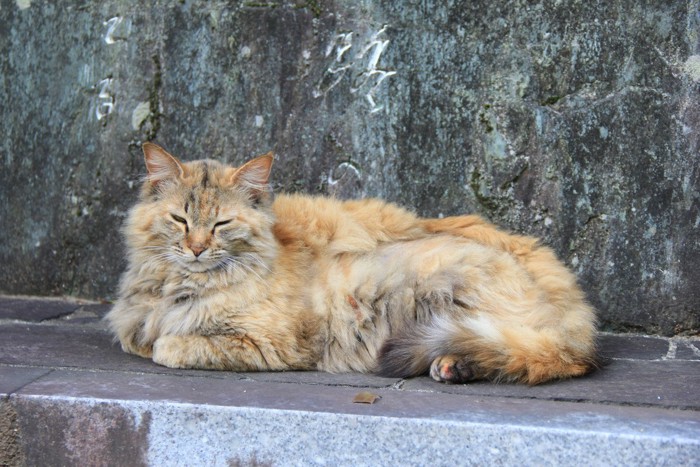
x: 452, y: 369
x: 145, y: 352
x: 170, y: 351
x: 129, y: 345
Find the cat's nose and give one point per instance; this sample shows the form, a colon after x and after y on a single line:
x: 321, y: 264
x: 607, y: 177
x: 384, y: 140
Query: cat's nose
x: 197, y: 249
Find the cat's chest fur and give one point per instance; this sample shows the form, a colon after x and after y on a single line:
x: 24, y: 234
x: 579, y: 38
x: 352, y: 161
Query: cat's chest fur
x: 203, y: 303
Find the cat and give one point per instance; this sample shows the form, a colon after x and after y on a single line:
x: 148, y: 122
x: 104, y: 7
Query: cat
x: 221, y: 275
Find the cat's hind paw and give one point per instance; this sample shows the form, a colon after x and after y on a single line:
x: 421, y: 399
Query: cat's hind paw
x: 452, y: 369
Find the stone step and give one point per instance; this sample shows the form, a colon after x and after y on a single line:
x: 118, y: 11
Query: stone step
x: 69, y: 396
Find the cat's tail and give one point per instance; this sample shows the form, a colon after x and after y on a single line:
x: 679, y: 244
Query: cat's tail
x: 475, y: 347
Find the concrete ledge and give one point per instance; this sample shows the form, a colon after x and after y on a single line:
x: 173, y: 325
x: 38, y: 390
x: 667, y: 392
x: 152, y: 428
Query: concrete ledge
x: 403, y: 431
x: 71, y: 397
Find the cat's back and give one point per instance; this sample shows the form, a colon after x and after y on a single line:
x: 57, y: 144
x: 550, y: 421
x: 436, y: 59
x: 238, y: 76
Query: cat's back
x: 342, y: 226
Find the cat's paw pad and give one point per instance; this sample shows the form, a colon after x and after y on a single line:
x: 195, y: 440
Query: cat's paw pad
x: 452, y: 369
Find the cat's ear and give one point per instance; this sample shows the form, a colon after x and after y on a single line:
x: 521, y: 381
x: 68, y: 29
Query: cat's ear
x: 161, y: 165
x: 254, y: 174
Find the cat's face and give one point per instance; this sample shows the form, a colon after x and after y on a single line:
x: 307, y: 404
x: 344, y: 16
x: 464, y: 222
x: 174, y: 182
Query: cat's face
x: 205, y: 227
x: 206, y: 216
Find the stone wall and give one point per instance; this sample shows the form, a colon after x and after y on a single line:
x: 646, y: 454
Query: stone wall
x: 575, y: 121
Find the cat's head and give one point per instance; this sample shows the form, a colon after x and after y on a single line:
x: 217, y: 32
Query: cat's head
x: 201, y: 215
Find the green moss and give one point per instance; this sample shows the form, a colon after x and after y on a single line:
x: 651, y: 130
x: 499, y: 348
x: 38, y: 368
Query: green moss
x: 315, y: 7
x: 487, y: 202
x: 551, y: 100
x: 484, y: 120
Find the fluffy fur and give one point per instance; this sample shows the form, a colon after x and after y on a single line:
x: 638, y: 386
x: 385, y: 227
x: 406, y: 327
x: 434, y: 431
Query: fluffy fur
x: 220, y: 276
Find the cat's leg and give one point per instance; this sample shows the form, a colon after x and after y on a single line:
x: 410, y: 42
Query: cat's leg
x: 129, y: 345
x: 471, y: 349
x: 127, y: 320
x: 453, y: 369
x: 217, y: 352
x: 130, y: 335
x: 558, y: 339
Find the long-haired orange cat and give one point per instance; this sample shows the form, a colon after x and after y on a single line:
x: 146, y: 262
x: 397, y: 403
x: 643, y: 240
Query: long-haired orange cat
x: 221, y: 276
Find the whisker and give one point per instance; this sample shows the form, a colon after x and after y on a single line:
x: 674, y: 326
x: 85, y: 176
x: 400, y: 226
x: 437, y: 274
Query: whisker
x: 257, y: 260
x: 153, y: 248
x: 232, y: 261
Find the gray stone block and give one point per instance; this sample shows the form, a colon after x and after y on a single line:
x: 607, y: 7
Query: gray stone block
x: 35, y: 310
x: 76, y: 347
x: 14, y: 379
x: 322, y: 378
x: 688, y: 350
x: 68, y: 395
x: 630, y: 346
x: 579, y: 123
x: 664, y: 384
x: 87, y: 434
x: 165, y: 419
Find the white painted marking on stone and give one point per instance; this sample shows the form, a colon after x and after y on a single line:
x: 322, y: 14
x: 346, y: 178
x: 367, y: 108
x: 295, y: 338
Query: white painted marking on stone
x: 105, y: 104
x: 342, y: 171
x: 367, y: 78
x: 377, y: 46
x: 345, y: 45
x: 259, y: 121
x: 112, y: 24
x: 23, y: 4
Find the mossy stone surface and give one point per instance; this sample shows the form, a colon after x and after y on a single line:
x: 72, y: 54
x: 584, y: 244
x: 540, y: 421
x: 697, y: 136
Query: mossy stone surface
x: 578, y: 122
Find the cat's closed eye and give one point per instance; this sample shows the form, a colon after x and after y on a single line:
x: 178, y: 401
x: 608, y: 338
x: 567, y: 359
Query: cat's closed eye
x: 180, y: 220
x: 221, y: 224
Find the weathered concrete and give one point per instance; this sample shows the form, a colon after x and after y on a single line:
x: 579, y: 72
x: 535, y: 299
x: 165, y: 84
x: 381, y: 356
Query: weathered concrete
x: 36, y: 310
x: 575, y: 121
x: 69, y: 396
x: 11, y: 454
x: 324, y: 428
